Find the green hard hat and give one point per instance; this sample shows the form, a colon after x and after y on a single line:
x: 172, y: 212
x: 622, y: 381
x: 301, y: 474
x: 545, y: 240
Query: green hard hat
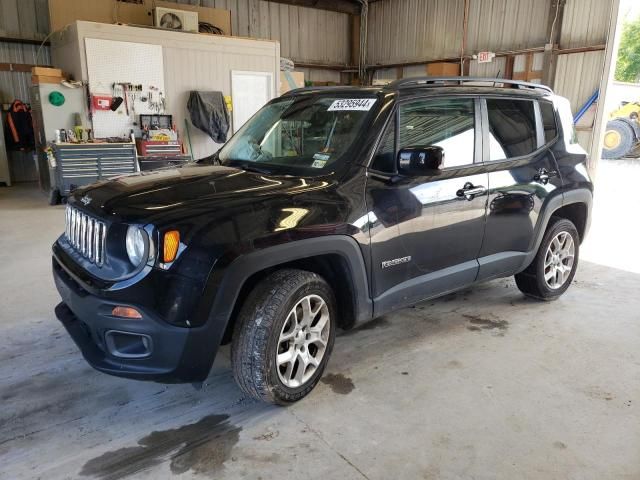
x: 56, y: 98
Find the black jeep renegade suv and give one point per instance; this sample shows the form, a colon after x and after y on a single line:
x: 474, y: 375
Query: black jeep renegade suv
x: 329, y: 207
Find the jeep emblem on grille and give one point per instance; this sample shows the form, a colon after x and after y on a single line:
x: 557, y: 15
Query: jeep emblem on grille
x: 86, y: 200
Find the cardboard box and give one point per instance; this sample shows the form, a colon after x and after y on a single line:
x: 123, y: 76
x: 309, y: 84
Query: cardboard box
x: 291, y: 81
x: 443, y: 69
x: 46, y: 71
x: 65, y: 12
x: 38, y: 79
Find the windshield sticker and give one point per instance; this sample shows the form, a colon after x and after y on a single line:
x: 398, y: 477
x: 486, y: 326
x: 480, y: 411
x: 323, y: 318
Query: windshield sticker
x: 321, y: 156
x: 364, y: 104
x: 318, y: 163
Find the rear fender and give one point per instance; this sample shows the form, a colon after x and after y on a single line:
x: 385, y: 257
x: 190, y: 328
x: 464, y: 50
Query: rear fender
x: 580, y: 195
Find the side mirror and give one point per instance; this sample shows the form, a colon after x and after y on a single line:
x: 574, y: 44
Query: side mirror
x: 420, y: 161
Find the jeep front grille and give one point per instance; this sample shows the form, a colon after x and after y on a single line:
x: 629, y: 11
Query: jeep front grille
x: 86, y: 235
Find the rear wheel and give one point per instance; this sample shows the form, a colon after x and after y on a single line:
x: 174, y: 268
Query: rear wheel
x: 619, y: 140
x: 552, y: 270
x: 284, y: 336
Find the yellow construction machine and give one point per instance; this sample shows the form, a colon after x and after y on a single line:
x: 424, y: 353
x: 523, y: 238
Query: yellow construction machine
x: 622, y: 136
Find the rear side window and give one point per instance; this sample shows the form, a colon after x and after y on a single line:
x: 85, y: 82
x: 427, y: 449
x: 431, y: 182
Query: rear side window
x: 548, y: 121
x: 512, y: 128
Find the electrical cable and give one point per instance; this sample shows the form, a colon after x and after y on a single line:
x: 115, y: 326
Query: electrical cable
x: 465, y: 29
x: 45, y: 41
x: 555, y: 19
x: 206, y: 27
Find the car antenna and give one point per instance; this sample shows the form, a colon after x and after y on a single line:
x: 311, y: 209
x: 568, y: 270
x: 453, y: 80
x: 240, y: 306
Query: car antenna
x: 497, y: 76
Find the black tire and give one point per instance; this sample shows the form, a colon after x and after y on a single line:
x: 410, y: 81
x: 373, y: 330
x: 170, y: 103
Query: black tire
x: 532, y: 281
x: 257, y: 330
x: 619, y: 140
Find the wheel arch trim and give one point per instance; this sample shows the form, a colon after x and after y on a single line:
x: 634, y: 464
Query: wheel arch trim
x: 555, y: 203
x: 243, y: 267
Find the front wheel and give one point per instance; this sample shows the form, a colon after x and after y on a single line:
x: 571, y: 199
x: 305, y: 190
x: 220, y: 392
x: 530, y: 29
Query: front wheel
x: 555, y: 264
x: 284, y: 336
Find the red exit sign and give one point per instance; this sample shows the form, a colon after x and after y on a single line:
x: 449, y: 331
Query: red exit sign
x: 485, y: 57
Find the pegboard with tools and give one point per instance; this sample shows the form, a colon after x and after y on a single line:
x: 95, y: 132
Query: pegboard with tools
x: 132, y: 76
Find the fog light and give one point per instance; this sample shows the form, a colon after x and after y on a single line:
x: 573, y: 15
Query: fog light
x: 128, y: 344
x: 171, y: 244
x: 126, y: 312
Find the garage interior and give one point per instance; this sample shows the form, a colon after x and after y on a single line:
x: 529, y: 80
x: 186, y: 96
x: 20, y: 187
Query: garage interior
x: 482, y: 383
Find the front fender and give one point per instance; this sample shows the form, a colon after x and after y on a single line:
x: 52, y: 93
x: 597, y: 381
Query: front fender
x: 225, y: 283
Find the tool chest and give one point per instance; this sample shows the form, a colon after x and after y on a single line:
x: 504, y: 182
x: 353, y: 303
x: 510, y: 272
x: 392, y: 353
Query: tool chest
x: 85, y: 163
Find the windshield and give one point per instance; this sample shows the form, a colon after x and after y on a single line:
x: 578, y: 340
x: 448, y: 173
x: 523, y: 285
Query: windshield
x: 306, y: 134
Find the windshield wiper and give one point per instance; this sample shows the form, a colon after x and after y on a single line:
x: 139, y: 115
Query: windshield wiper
x: 211, y: 159
x: 251, y: 168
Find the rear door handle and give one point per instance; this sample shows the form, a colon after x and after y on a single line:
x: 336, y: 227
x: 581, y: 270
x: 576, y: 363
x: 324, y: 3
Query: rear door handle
x: 544, y: 175
x: 470, y: 191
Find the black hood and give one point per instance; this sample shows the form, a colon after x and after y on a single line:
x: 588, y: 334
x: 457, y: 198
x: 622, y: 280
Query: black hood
x: 175, y: 191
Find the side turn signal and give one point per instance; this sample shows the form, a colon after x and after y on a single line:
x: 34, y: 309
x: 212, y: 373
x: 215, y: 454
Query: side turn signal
x: 170, y: 246
x: 125, y: 312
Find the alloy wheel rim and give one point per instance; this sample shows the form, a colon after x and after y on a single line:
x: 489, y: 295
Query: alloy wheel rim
x: 558, y: 260
x: 303, y: 341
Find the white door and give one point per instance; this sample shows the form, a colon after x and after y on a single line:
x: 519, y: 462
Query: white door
x: 249, y: 92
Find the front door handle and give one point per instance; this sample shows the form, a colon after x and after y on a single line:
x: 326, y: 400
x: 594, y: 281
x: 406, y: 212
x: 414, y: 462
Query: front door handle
x: 470, y: 191
x: 544, y: 175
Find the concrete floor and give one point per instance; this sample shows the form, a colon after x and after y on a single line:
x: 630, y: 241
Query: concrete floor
x: 483, y: 384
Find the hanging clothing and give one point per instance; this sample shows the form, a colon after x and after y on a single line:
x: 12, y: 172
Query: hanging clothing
x: 209, y: 113
x: 19, y: 127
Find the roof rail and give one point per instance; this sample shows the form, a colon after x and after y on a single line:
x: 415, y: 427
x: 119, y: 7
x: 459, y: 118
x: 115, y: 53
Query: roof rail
x: 323, y: 87
x: 441, y: 81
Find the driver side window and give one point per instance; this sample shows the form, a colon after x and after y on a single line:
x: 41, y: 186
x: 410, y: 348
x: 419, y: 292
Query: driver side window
x: 447, y: 123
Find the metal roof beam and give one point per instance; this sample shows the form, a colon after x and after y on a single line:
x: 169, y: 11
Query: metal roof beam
x: 341, y: 6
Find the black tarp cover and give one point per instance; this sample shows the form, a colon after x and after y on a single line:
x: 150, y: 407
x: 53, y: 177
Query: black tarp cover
x: 209, y: 113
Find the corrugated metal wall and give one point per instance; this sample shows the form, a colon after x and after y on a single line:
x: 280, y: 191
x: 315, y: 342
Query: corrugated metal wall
x: 585, y: 23
x: 416, y: 30
x: 399, y: 31
x: 305, y: 34
x: 410, y: 30
x: 27, y: 19
x: 498, y: 25
x: 17, y: 84
x: 422, y: 30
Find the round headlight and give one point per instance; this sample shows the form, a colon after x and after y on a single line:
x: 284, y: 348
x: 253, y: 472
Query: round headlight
x: 137, y: 240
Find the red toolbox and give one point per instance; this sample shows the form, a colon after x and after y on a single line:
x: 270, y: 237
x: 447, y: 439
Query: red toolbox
x: 158, y: 148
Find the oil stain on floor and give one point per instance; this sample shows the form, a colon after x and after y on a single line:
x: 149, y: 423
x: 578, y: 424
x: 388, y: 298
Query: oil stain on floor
x: 201, y: 447
x: 338, y: 383
x: 478, y: 323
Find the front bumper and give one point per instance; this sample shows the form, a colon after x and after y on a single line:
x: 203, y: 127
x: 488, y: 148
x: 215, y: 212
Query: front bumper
x: 147, y: 348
